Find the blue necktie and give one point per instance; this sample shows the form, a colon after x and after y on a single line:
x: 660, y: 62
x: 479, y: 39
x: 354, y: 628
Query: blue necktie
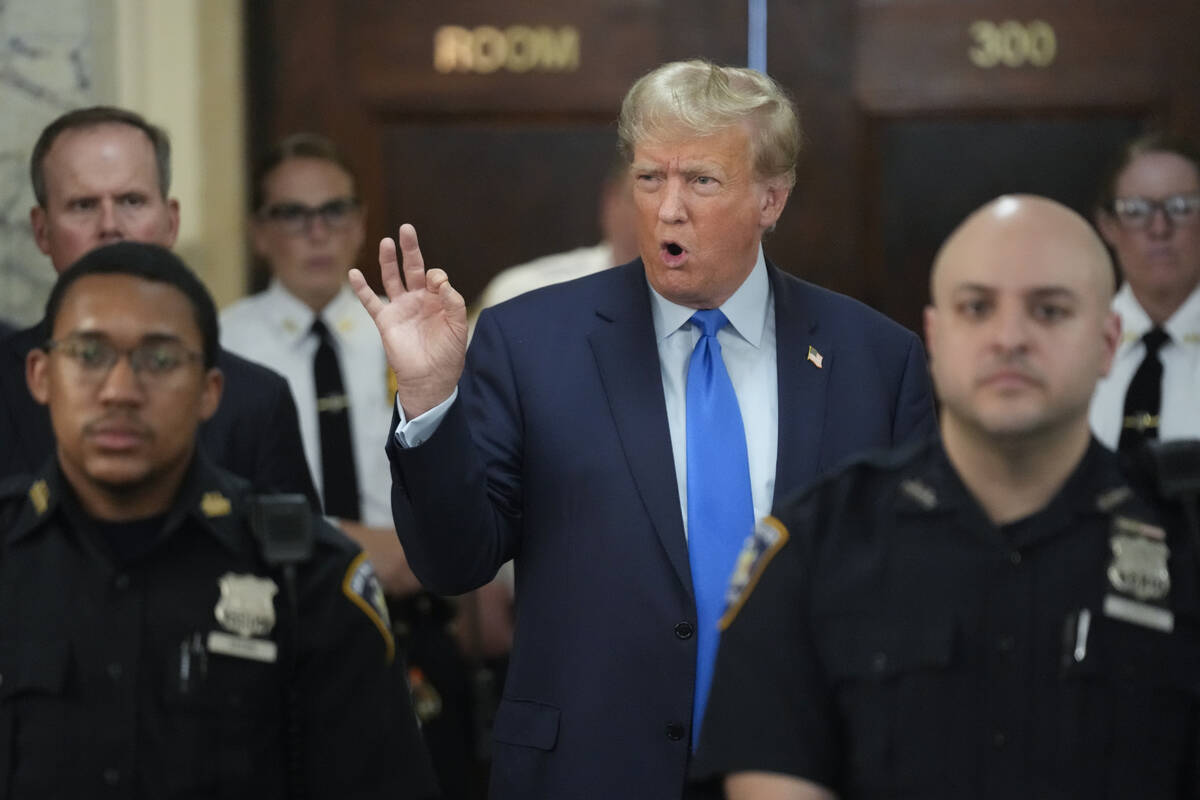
x: 719, y: 501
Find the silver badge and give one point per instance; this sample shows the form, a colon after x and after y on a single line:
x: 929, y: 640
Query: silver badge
x: 247, y: 604
x: 1139, y: 564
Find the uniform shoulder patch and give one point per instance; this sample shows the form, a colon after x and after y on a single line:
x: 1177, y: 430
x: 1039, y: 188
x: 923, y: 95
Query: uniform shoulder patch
x: 769, y: 536
x: 361, y: 586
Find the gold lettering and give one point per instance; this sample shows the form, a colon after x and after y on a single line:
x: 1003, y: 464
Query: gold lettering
x: 561, y: 50
x: 489, y: 49
x: 517, y: 48
x: 522, y: 48
x: 1011, y: 43
x: 1043, y: 46
x: 452, y: 49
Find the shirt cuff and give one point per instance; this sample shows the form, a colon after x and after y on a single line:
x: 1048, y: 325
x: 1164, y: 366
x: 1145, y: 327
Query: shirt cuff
x: 415, y: 431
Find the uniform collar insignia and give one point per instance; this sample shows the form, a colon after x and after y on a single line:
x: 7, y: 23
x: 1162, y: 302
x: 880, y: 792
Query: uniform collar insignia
x: 920, y: 493
x: 290, y: 326
x: 215, y: 504
x: 39, y: 495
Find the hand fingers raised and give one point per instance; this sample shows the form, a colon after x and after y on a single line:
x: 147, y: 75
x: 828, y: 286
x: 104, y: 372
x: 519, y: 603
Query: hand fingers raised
x: 389, y: 269
x: 410, y: 253
x: 370, y: 301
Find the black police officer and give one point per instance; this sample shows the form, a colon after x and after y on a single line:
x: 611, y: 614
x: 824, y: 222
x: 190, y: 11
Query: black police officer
x: 998, y: 614
x: 150, y: 645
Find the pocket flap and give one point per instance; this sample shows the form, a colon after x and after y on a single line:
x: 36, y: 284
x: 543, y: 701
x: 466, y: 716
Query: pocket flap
x: 33, y: 667
x: 876, y: 652
x: 527, y: 723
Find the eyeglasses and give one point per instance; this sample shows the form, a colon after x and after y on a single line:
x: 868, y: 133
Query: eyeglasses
x: 1139, y: 212
x: 295, y: 218
x: 96, y: 356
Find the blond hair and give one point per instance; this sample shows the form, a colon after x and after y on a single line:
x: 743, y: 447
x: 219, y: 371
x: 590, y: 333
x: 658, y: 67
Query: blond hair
x: 702, y: 99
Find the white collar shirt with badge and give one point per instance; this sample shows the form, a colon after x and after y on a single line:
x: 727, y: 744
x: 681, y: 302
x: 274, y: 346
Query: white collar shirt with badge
x: 748, y: 349
x: 274, y: 329
x: 1180, y: 412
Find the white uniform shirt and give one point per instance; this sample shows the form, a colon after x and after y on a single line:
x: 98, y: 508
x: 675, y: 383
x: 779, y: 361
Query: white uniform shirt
x: 1179, y: 416
x: 273, y: 328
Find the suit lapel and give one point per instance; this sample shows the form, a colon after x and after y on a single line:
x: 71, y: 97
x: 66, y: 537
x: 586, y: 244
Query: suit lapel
x: 626, y: 353
x: 802, y: 384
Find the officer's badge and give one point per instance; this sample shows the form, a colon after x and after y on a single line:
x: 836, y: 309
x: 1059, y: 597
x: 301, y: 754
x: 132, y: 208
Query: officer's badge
x: 215, y: 504
x: 760, y: 547
x: 1139, y: 564
x: 247, y: 604
x: 362, y: 587
x: 39, y: 495
x: 1138, y: 573
x: 246, y: 607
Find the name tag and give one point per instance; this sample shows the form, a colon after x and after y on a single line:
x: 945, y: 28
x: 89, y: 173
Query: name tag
x: 227, y: 644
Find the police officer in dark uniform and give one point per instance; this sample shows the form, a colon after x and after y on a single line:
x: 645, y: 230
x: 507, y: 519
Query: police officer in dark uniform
x: 102, y: 175
x: 164, y: 632
x: 996, y: 614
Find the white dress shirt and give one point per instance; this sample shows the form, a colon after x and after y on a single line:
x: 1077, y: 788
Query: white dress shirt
x: 1179, y: 416
x: 748, y: 349
x: 274, y: 329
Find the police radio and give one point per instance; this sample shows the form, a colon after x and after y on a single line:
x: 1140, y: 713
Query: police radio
x: 282, y: 524
x: 1173, y: 468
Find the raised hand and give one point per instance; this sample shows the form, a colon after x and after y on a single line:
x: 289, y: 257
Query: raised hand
x: 423, y: 324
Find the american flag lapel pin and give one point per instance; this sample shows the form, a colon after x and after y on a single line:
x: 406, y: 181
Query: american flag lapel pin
x: 815, y: 357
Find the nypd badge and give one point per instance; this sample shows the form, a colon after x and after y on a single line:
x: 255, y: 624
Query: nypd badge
x: 247, y: 604
x: 760, y: 547
x: 1139, y: 563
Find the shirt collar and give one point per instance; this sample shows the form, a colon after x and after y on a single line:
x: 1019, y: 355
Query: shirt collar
x: 290, y: 314
x: 208, y: 496
x: 746, y: 309
x: 1183, y: 326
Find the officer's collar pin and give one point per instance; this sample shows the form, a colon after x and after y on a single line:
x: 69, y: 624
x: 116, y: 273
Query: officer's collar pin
x: 39, y: 495
x: 1111, y: 498
x: 920, y: 492
x: 215, y: 504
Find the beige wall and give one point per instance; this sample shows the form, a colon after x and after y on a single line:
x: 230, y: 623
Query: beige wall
x: 179, y: 62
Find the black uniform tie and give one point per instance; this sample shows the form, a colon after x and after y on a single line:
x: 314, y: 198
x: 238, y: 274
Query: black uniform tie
x: 1143, y: 400
x: 339, y: 477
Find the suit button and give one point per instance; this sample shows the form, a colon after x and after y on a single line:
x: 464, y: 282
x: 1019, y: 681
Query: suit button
x: 674, y: 731
x: 684, y: 630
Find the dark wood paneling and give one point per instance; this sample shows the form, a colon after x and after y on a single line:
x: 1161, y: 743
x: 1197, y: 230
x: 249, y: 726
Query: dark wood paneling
x: 496, y: 168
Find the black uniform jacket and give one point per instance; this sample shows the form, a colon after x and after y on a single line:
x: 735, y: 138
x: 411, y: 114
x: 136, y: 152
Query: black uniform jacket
x: 254, y: 434
x: 885, y: 639
x: 181, y: 672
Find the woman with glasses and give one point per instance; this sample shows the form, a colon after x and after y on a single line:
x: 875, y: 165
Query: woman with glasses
x: 1149, y: 213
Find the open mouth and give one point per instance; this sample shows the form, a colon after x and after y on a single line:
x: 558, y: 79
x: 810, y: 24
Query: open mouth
x: 673, y: 254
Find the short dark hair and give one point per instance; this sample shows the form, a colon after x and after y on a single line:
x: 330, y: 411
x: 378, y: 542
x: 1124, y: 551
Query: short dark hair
x: 297, y: 145
x: 82, y: 118
x: 1156, y: 141
x: 149, y: 262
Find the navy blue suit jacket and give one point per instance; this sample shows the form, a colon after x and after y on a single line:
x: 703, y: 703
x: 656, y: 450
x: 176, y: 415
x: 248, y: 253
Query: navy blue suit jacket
x: 254, y: 434
x: 557, y: 453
